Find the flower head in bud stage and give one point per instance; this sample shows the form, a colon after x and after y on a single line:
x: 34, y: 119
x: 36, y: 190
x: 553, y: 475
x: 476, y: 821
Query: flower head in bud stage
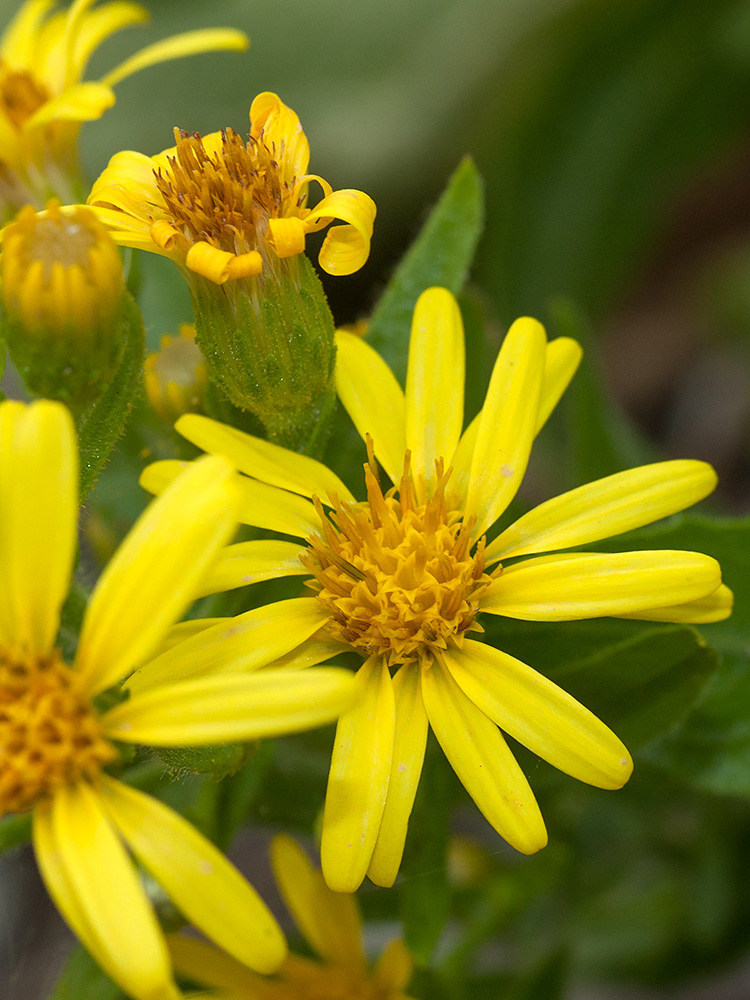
x: 226, y: 208
x: 44, y: 101
x: 55, y: 743
x: 331, y: 925
x: 405, y: 576
x: 175, y: 376
x: 63, y: 302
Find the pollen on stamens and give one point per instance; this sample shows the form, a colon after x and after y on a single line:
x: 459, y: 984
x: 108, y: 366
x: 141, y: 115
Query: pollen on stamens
x: 223, y: 196
x: 398, y: 576
x: 49, y: 733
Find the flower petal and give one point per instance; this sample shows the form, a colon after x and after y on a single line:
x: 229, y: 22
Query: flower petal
x: 83, y: 102
x: 434, y: 385
x: 394, y: 968
x: 38, y: 513
x: 260, y: 505
x: 345, y: 248
x: 280, y: 130
x: 591, y: 585
x: 234, y: 645
x: 409, y: 744
x: 183, y: 631
x: 197, y: 877
x: 189, y: 43
x: 205, y: 964
x: 539, y: 714
x: 372, y: 397
x: 262, y: 460
x: 480, y: 757
x: 358, y: 779
x: 92, y: 880
x: 154, y: 574
x: 232, y: 707
x: 507, y: 424
x: 20, y: 37
x: 714, y: 608
x: 249, y: 562
x: 329, y: 921
x: 99, y: 25
x: 606, y: 507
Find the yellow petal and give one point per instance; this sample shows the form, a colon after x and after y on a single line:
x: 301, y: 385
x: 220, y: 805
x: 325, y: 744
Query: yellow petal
x: 101, y: 24
x: 606, y: 507
x: 310, y: 652
x: 345, y: 248
x: 127, y: 183
x: 590, y: 585
x: 539, y: 714
x: 714, y: 608
x: 561, y: 360
x: 262, y: 460
x: 394, y: 968
x: 182, y: 631
x: 434, y: 385
x: 94, y: 884
x: 239, y: 644
x: 18, y: 42
x: 208, y: 261
x: 409, y: 744
x: 38, y: 513
x: 249, y: 562
x: 480, y: 757
x: 83, y: 102
x: 329, y: 921
x: 260, y: 505
x: 507, y: 424
x: 204, y: 964
x: 280, y: 130
x: 286, y: 237
x: 232, y: 707
x: 152, y: 577
x: 373, y: 399
x: 176, y: 47
x: 358, y: 779
x: 197, y: 877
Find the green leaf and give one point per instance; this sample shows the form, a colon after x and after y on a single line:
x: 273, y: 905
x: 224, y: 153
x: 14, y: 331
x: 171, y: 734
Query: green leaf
x: 14, y: 831
x: 440, y: 255
x: 102, y: 425
x: 641, y: 687
x: 82, y: 978
x: 424, y: 890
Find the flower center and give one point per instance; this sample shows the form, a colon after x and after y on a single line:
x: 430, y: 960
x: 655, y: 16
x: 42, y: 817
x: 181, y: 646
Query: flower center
x: 396, y: 575
x: 225, y: 197
x: 49, y: 733
x: 20, y: 94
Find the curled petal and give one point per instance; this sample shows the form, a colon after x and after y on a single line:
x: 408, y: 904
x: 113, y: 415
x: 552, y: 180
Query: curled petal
x: 345, y: 248
x: 280, y: 130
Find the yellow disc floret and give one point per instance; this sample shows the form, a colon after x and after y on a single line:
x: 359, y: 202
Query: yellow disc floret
x: 397, y: 575
x: 49, y: 734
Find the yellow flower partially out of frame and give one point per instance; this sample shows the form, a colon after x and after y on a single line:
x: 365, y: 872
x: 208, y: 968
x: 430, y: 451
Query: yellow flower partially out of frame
x: 224, y: 208
x: 55, y: 745
x: 403, y: 576
x: 44, y: 98
x: 331, y: 925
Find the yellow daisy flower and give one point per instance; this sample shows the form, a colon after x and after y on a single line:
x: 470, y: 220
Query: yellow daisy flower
x: 402, y: 576
x: 331, y: 925
x: 44, y: 100
x: 55, y: 743
x: 224, y: 208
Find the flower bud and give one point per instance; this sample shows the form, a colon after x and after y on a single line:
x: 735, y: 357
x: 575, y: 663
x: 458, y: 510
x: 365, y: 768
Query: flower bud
x: 63, y: 298
x: 175, y: 376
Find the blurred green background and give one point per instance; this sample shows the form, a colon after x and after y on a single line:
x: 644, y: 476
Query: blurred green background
x: 614, y: 141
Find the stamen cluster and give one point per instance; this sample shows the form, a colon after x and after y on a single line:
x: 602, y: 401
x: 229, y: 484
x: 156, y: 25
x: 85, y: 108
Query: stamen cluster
x: 21, y: 94
x: 225, y: 197
x: 49, y: 733
x: 397, y: 575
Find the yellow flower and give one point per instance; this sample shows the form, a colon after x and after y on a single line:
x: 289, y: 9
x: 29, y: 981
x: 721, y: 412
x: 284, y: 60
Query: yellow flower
x: 55, y: 744
x: 224, y: 208
x: 175, y: 376
x: 402, y: 576
x: 331, y: 925
x: 44, y: 100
